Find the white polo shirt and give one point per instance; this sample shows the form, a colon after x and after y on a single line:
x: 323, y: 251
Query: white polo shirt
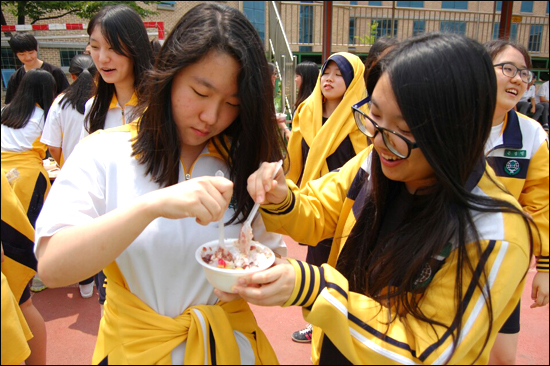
x: 63, y: 127
x: 529, y: 93
x: 543, y: 91
x: 116, y: 115
x: 159, y: 266
x: 21, y: 139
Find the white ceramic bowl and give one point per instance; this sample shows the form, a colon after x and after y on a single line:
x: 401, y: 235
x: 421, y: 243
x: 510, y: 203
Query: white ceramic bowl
x: 222, y: 278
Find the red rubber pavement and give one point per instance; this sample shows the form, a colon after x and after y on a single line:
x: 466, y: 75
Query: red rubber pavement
x: 72, y: 324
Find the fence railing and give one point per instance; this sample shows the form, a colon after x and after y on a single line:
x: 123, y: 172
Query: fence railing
x: 285, y: 62
x: 356, y: 27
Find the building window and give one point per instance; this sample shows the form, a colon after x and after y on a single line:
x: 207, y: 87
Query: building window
x: 499, y: 5
x: 453, y: 27
x: 383, y: 27
x: 351, y: 31
x: 306, y: 25
x: 513, y: 31
x: 419, y: 27
x: 460, y: 5
x: 67, y: 54
x: 166, y: 5
x: 255, y: 12
x: 375, y: 3
x: 9, y: 60
x: 527, y: 6
x: 410, y: 4
x: 535, y: 36
x: 9, y: 63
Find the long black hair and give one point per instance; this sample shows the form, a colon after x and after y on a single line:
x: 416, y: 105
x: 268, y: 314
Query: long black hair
x: 445, y: 86
x: 123, y: 29
x: 82, y: 89
x: 37, y: 87
x: 309, y: 71
x: 253, y: 136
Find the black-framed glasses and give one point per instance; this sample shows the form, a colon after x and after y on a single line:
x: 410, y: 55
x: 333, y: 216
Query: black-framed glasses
x: 512, y: 70
x: 395, y: 142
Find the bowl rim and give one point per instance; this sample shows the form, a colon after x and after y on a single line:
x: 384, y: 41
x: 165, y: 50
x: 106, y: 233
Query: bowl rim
x: 199, y: 259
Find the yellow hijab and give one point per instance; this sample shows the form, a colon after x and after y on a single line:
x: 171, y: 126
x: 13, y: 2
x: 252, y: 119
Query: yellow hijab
x: 324, y: 139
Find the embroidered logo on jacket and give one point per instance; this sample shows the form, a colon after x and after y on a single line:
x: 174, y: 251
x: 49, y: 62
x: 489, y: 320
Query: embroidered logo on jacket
x: 512, y: 167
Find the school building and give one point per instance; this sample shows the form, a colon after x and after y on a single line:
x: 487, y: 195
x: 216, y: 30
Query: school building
x: 295, y: 28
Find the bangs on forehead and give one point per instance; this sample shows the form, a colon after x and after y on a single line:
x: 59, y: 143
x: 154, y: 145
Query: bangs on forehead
x: 111, y: 32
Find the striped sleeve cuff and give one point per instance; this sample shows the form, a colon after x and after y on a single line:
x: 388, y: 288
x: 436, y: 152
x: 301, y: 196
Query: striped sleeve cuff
x: 542, y: 264
x: 283, y: 208
x: 308, y: 284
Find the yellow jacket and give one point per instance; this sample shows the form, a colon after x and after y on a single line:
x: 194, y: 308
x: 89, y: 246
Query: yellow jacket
x: 324, y: 139
x: 132, y: 333
x: 357, y: 324
x: 15, y: 277
x: 17, y: 241
x: 30, y: 167
x: 520, y: 160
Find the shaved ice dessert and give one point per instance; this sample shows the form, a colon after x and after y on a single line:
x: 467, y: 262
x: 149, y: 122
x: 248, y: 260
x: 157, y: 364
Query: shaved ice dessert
x: 223, y: 267
x: 233, y: 258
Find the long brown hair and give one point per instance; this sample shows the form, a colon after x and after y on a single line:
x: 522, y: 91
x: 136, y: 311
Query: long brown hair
x: 252, y: 138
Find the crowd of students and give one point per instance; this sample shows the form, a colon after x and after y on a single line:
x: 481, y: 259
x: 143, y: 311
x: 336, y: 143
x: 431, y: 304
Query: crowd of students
x: 422, y: 195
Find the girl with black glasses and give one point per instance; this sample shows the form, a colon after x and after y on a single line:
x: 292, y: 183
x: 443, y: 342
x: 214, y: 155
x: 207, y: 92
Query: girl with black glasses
x: 430, y: 253
x: 517, y: 149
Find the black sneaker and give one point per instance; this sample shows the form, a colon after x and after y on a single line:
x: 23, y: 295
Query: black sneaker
x: 304, y: 335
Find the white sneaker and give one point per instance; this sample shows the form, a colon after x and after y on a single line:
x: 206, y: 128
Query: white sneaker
x: 37, y: 285
x: 86, y: 291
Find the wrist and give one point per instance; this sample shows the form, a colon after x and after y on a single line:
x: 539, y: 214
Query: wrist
x: 149, y: 206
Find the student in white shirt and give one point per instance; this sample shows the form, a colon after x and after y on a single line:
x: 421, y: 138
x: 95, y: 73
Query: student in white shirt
x: 121, y: 51
x: 527, y: 104
x: 139, y: 200
x: 66, y: 118
x: 542, y: 98
x: 22, y: 124
x: 122, y: 54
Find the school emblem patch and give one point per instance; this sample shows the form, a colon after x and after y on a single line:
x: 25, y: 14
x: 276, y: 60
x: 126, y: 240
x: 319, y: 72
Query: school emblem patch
x: 512, y: 167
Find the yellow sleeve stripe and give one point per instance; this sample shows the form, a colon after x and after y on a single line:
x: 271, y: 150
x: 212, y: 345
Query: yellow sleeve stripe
x: 309, y: 282
x: 283, y: 208
x: 542, y: 264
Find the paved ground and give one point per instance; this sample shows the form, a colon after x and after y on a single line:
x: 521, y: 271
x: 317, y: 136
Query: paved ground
x: 72, y: 324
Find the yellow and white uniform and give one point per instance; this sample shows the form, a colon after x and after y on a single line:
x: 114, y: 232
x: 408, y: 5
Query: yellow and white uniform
x: 117, y: 115
x: 519, y: 157
x: 357, y: 324
x: 17, y: 271
x: 323, y: 140
x: 22, y: 149
x: 63, y: 128
x: 159, y: 274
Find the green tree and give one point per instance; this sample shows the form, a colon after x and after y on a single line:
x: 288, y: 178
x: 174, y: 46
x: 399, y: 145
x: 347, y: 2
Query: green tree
x: 371, y: 37
x: 42, y: 10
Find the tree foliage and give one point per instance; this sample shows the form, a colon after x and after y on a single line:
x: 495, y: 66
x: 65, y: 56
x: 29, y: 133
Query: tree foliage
x: 44, y: 10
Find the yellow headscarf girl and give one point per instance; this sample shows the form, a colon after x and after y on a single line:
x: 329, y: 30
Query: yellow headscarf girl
x: 322, y: 140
